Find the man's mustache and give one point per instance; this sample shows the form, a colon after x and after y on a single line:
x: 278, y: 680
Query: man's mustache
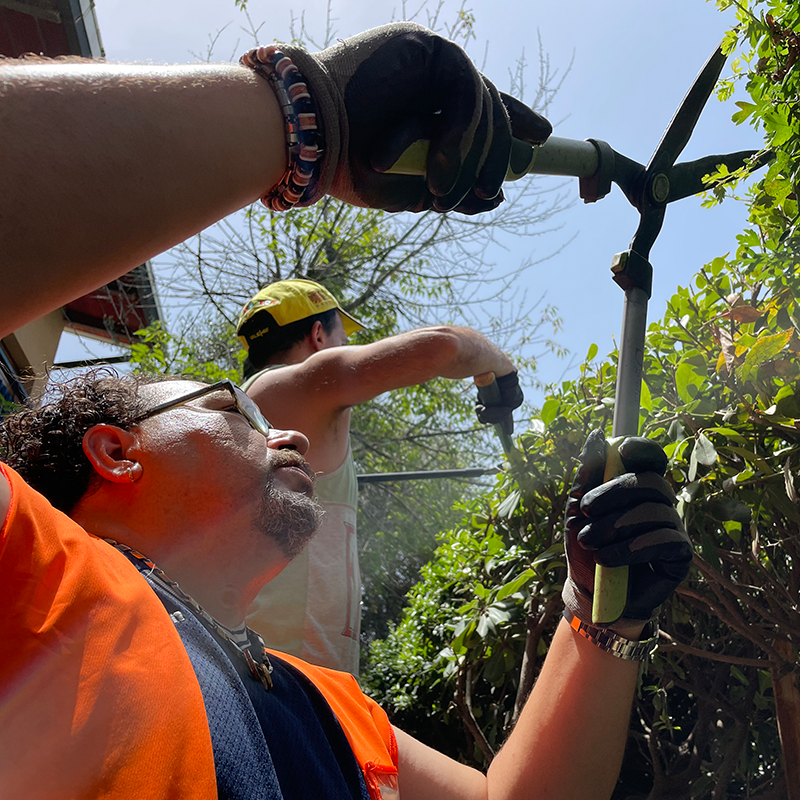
x: 291, y: 458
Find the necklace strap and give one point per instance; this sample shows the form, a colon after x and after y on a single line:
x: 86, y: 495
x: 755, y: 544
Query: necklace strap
x: 261, y: 671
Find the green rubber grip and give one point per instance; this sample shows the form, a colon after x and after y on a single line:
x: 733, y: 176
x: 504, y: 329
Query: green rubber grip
x: 414, y: 159
x: 610, y: 583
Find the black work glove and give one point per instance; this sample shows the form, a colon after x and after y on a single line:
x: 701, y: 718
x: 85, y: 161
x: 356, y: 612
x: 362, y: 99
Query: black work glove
x: 629, y: 520
x: 378, y: 92
x: 498, y: 410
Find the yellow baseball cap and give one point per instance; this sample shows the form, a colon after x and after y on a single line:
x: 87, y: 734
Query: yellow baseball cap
x: 284, y: 302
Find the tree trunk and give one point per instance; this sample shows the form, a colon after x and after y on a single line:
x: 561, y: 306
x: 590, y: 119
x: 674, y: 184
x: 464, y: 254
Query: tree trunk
x: 535, y: 628
x: 787, y: 708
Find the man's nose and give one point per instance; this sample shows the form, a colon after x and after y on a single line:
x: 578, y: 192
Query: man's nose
x: 287, y: 440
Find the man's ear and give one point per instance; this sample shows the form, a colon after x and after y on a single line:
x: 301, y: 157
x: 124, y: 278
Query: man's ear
x: 108, y: 449
x: 317, y: 336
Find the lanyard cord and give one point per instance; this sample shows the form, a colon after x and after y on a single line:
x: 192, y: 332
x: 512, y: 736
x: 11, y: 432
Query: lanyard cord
x: 261, y: 671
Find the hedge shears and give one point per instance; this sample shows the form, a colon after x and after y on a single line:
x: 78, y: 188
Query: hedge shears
x: 650, y: 189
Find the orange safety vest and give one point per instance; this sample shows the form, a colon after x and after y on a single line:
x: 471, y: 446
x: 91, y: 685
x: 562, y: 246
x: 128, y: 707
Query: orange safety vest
x: 98, y: 698
x: 78, y: 624
x: 365, y: 725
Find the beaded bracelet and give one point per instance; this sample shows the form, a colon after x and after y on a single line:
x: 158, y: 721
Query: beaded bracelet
x: 303, y: 137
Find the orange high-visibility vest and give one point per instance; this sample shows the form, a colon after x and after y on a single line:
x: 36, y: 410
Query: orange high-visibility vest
x: 365, y: 725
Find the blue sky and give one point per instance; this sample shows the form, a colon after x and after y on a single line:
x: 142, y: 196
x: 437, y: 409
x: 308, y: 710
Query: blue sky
x: 633, y: 62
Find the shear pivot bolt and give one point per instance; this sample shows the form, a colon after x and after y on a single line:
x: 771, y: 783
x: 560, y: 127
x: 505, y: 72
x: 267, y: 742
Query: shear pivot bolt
x: 660, y: 188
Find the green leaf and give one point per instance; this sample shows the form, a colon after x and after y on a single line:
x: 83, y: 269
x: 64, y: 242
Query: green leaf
x: 515, y: 585
x: 646, y: 400
x: 746, y: 109
x: 550, y: 410
x: 554, y: 551
x: 788, y: 400
x: 479, y: 521
x: 480, y: 590
x: 765, y: 349
x: 498, y: 616
x: 465, y: 636
x: 783, y: 319
x: 734, y: 530
x: 704, y: 451
x: 693, y: 465
x: 749, y: 456
x: 485, y: 625
x: 592, y: 352
x: 687, y: 381
x: 689, y: 492
x: 785, y: 391
x: 729, y: 509
x: 509, y: 504
x: 739, y: 675
x: 730, y: 433
x: 783, y: 503
x: 788, y: 480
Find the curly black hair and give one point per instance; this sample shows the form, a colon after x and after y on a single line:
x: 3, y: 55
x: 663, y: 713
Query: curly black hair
x: 45, y: 445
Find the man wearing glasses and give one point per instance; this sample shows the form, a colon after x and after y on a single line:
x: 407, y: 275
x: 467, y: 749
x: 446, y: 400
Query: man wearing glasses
x: 303, y: 375
x: 190, y: 486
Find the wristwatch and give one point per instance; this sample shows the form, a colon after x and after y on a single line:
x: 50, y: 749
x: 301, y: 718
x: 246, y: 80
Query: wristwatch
x: 615, y: 644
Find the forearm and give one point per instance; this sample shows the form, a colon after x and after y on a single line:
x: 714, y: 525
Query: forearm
x: 571, y: 735
x: 567, y: 745
x: 105, y: 166
x: 347, y: 376
x: 420, y: 355
x: 469, y: 353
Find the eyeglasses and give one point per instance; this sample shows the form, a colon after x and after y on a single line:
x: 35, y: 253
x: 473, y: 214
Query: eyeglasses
x: 244, y: 405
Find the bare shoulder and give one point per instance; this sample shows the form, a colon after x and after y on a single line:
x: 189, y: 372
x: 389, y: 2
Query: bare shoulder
x: 269, y: 379
x: 314, y: 384
x: 291, y: 400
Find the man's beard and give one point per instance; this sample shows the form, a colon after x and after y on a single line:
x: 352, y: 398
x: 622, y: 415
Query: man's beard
x: 288, y: 518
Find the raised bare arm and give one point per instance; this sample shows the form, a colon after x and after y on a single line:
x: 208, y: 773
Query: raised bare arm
x: 357, y: 373
x: 569, y: 741
x: 315, y: 395
x: 104, y: 166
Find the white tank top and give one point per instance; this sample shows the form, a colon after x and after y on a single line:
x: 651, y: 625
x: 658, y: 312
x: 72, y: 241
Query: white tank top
x: 313, y: 608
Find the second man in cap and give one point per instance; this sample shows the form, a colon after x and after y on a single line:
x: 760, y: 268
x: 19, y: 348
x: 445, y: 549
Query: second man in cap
x: 304, y: 376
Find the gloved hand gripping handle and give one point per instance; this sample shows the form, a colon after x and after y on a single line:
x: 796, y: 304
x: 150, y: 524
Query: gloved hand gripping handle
x: 489, y: 395
x: 649, y: 189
